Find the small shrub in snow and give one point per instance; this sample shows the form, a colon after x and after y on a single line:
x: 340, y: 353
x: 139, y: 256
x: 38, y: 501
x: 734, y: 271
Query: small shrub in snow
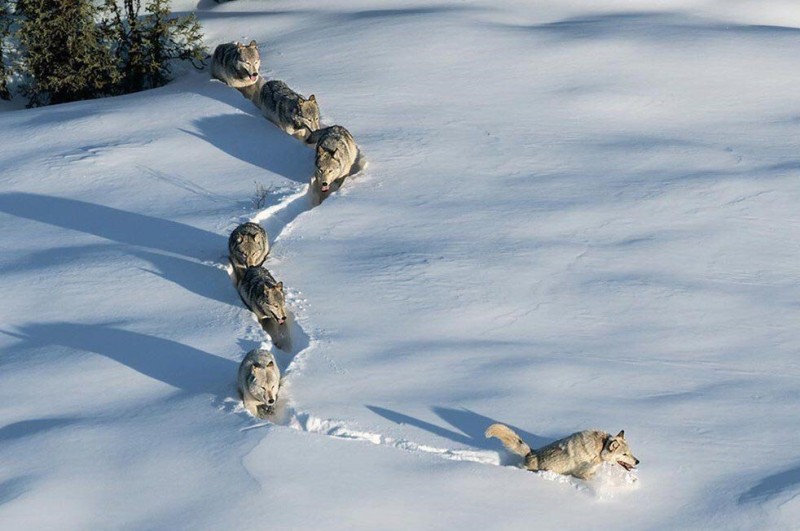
x: 260, y: 195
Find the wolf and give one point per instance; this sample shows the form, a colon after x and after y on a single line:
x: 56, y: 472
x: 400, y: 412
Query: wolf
x: 248, y: 246
x: 263, y: 295
x: 259, y: 381
x: 336, y: 154
x: 286, y: 108
x: 236, y: 64
x: 579, y: 454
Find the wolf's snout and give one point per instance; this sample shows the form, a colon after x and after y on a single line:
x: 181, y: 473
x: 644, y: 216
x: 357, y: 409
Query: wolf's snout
x: 637, y: 461
x: 282, y: 320
x: 271, y: 401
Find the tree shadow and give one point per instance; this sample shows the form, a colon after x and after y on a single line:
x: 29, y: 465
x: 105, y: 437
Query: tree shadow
x: 111, y: 223
x: 175, y: 364
x: 58, y: 256
x: 645, y: 25
x: 773, y: 485
x: 371, y: 14
x: 206, y: 9
x: 470, y: 425
x: 26, y: 428
x: 200, y: 279
x: 13, y: 488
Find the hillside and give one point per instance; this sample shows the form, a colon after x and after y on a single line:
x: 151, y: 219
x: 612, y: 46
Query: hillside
x: 575, y: 215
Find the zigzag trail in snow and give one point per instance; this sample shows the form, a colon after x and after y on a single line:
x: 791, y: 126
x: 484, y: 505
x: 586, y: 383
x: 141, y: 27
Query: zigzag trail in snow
x: 306, y: 422
x: 276, y: 219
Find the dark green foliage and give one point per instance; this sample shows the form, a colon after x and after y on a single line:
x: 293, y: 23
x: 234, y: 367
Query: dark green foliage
x: 5, y: 25
x: 64, y: 55
x: 145, y: 45
x: 68, y: 50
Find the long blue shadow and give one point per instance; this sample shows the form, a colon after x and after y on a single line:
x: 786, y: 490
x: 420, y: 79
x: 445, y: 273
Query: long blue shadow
x: 470, y: 425
x: 172, y: 363
x: 26, y: 428
x: 13, y: 488
x: 256, y: 141
x: 113, y: 224
x: 773, y: 485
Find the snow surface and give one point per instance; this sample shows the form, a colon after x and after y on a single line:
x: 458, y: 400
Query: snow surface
x: 576, y: 214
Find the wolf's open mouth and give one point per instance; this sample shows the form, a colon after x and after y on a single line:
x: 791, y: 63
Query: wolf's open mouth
x: 626, y: 466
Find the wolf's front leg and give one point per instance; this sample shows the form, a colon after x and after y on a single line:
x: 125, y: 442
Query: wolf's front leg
x: 251, y: 406
x: 585, y: 472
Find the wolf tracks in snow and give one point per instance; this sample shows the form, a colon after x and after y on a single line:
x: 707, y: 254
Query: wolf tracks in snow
x: 337, y: 158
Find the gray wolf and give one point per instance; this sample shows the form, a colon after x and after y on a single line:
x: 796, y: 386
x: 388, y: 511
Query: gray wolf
x: 263, y: 295
x: 259, y: 380
x: 236, y: 64
x: 286, y: 108
x: 579, y: 454
x: 248, y: 246
x: 336, y: 154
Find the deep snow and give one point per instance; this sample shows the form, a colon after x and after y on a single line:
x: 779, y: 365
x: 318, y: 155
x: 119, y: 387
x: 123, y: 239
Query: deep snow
x: 576, y: 214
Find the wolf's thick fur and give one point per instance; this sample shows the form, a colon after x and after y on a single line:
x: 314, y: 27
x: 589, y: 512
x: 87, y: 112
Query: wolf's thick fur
x: 579, y: 454
x: 248, y: 246
x: 286, y: 108
x: 259, y: 381
x: 236, y: 64
x: 336, y: 153
x: 263, y: 295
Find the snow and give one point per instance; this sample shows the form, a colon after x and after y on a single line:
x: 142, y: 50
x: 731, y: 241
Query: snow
x: 576, y: 215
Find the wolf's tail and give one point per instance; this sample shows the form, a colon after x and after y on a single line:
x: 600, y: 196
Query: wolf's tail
x: 509, y: 438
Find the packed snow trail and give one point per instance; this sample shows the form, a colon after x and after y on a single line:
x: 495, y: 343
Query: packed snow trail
x: 583, y: 216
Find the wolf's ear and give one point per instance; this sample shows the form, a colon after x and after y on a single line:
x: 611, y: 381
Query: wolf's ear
x: 621, y: 434
x: 252, y: 44
x: 279, y: 285
x: 312, y: 98
x: 270, y: 364
x: 239, y: 44
x: 613, y: 445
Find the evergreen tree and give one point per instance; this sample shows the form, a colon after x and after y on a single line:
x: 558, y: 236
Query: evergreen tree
x: 65, y: 57
x: 67, y: 50
x: 146, y: 45
x: 5, y: 25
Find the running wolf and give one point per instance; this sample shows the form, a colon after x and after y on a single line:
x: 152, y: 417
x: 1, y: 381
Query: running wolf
x: 236, y: 64
x: 336, y: 154
x: 248, y: 246
x: 579, y: 454
x: 259, y: 381
x: 263, y: 295
x: 287, y: 109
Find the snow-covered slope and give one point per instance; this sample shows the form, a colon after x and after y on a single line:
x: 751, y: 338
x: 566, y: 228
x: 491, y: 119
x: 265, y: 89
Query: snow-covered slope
x: 576, y: 214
